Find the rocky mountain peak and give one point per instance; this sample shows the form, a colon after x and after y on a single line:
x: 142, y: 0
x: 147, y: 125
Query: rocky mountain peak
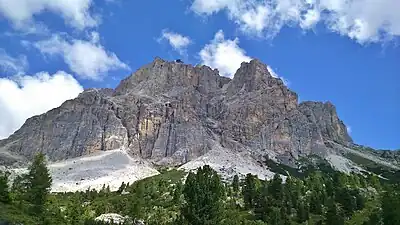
x: 254, y: 76
x: 170, y: 112
x: 170, y: 78
x: 251, y: 76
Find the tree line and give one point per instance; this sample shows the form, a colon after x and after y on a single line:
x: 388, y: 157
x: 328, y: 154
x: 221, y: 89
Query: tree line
x: 320, y: 197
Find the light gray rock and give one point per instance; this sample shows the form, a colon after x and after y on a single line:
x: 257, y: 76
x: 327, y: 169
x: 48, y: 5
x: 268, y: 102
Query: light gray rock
x: 112, y: 218
x: 81, y: 126
x: 327, y: 120
x: 171, y: 112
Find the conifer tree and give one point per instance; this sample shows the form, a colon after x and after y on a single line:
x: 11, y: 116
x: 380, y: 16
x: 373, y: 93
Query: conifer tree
x: 276, y: 189
x: 334, y: 215
x: 249, y: 191
x: 375, y: 218
x: 203, y: 193
x: 38, y: 183
x: 4, y: 189
x: 235, y: 184
x: 275, y: 217
x: 391, y: 207
x: 135, y: 209
x: 302, y: 212
x: 19, y: 188
x: 289, y: 196
x: 121, y: 188
x: 263, y: 203
x: 177, y: 192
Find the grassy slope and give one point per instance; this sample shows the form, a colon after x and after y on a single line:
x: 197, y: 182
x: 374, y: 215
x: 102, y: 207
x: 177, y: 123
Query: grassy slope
x: 369, y: 165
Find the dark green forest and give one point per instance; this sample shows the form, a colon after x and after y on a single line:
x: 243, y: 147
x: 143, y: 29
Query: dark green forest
x: 312, y: 196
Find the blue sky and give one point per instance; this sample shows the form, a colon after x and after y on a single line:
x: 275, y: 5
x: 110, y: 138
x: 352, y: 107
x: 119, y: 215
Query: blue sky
x: 342, y: 51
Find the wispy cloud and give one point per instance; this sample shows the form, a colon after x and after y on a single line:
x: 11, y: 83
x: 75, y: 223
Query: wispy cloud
x: 177, y: 41
x: 12, y: 65
x: 362, y: 20
x: 21, y: 13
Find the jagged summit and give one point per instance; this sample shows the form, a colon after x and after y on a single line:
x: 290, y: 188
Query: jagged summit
x: 162, y: 76
x: 172, y: 112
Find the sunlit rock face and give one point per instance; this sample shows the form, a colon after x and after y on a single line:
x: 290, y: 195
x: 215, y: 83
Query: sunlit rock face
x: 171, y: 113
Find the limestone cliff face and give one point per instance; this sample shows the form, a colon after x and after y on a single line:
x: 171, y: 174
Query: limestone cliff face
x: 81, y: 126
x: 171, y: 112
x: 325, y: 117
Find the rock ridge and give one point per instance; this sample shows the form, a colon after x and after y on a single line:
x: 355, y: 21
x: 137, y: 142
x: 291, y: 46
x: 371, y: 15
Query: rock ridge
x: 171, y: 112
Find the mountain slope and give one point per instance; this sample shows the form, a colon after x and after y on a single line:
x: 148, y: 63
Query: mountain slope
x: 171, y: 113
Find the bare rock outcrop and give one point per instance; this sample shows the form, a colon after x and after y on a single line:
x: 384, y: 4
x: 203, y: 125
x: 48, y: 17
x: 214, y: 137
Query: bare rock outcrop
x: 171, y: 112
x: 78, y: 127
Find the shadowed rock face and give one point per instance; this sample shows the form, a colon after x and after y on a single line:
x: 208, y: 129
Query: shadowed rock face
x: 171, y: 113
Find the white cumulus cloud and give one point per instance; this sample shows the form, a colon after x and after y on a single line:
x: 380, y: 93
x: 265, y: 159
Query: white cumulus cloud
x: 224, y: 55
x: 214, y: 6
x: 12, y: 65
x: 88, y: 59
x: 23, y: 96
x: 362, y: 20
x: 178, y: 42
x: 254, y: 20
x: 21, y: 13
x: 227, y: 56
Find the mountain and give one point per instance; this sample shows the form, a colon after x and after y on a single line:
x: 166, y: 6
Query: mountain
x: 170, y: 113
